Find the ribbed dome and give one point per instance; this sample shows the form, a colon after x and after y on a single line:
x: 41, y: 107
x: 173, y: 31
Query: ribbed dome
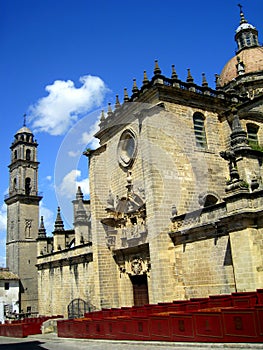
x: 252, y: 59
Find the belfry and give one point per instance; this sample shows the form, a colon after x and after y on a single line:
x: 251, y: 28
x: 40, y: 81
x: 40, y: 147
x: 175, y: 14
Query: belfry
x: 23, y: 216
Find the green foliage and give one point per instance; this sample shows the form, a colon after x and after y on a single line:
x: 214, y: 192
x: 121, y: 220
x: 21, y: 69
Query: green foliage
x: 255, y: 146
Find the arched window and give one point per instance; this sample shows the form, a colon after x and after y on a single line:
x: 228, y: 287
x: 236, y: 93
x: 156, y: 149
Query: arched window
x: 27, y: 186
x: 28, y: 154
x: 199, y: 128
x: 210, y: 200
x: 15, y: 154
x: 14, y: 184
x: 252, y: 134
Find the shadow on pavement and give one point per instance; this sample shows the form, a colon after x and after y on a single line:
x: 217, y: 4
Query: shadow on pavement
x: 31, y: 345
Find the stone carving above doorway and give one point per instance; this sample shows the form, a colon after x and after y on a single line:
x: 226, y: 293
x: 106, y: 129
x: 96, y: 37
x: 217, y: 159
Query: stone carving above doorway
x: 125, y: 223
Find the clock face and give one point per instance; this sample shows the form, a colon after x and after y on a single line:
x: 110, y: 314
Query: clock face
x: 127, y: 148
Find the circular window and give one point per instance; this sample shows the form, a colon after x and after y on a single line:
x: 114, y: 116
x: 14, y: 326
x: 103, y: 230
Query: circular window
x: 127, y: 148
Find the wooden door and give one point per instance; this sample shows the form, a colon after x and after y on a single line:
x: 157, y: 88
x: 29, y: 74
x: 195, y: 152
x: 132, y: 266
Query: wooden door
x: 140, y: 290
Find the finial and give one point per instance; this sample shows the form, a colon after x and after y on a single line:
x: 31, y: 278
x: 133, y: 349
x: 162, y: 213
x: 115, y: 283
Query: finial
x: 189, y: 79
x: 217, y: 81
x: 81, y: 214
x: 174, y: 74
x: 109, y: 110
x: 157, y: 69
x: 145, y: 78
x: 24, y: 116
x: 102, y: 116
x: 42, y: 230
x: 59, y: 225
x: 79, y: 194
x: 126, y: 97
x: 135, y: 87
x: 204, y: 81
x: 117, y: 102
x: 242, y: 17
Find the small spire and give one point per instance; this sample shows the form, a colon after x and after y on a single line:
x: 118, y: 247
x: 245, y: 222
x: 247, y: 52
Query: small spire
x: 189, y: 79
x: 59, y: 225
x: 117, y: 102
x: 135, y: 89
x: 157, y: 69
x: 126, y: 96
x: 81, y: 214
x: 204, y: 81
x: 42, y: 230
x: 109, y: 110
x: 145, y: 78
x: 24, y: 122
x: 102, y: 116
x: 238, y: 137
x: 174, y: 74
x: 79, y: 194
x: 217, y: 81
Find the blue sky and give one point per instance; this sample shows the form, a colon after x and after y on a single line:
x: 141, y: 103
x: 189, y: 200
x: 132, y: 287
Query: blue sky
x: 62, y: 61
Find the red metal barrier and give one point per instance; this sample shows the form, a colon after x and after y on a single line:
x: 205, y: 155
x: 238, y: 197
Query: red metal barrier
x: 160, y: 327
x: 208, y: 325
x: 240, y: 325
x: 182, y: 328
x: 215, y: 319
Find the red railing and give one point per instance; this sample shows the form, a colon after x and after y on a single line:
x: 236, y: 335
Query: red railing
x: 223, y: 318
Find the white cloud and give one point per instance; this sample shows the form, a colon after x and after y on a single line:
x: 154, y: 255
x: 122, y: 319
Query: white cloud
x: 65, y: 103
x: 3, y: 218
x: 49, y: 177
x: 75, y: 153
x: 88, y: 139
x: 69, y: 185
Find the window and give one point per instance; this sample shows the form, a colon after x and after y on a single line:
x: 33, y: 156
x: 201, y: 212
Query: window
x: 6, y: 285
x: 15, y: 154
x: 14, y: 184
x: 28, y: 154
x: 199, y: 128
x: 28, y: 309
x: 252, y: 134
x: 28, y: 186
x: 248, y: 40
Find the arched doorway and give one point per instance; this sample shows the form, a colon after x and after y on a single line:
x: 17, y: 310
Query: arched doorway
x: 77, y: 308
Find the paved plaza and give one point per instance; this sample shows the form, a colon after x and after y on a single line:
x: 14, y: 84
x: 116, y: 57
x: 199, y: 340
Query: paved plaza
x: 52, y: 342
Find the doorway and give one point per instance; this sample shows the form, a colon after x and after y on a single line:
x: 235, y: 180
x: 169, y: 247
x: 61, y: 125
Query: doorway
x: 140, y: 290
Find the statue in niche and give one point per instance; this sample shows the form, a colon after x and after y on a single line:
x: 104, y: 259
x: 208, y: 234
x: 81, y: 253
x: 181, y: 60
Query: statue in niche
x: 110, y: 201
x: 240, y: 67
x: 174, y: 210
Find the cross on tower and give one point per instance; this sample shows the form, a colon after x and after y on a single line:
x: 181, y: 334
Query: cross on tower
x: 24, y: 124
x: 240, y: 6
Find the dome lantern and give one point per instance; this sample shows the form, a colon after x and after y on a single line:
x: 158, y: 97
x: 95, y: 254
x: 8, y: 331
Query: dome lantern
x: 246, y: 34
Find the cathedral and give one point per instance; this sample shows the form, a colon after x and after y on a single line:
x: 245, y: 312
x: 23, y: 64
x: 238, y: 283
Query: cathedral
x: 175, y: 208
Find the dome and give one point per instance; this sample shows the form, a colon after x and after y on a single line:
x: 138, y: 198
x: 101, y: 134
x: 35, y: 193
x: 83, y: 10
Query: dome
x: 244, y: 26
x: 252, y: 60
x: 24, y: 130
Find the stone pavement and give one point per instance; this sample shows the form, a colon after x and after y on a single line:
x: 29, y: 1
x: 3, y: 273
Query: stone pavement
x: 52, y: 342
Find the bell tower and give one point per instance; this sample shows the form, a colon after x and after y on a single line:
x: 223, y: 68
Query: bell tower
x: 23, y: 216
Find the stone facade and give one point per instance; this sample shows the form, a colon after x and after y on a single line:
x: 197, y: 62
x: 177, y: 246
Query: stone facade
x: 175, y: 208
